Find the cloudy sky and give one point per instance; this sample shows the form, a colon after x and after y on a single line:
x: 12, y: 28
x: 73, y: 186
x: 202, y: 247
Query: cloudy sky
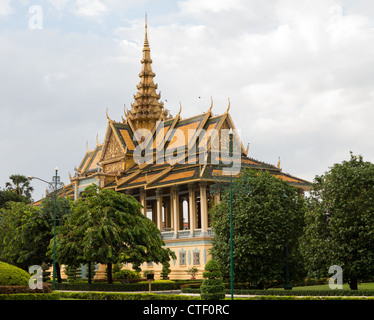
x: 299, y: 75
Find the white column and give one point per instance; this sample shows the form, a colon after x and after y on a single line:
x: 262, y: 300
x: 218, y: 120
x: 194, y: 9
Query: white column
x: 143, y: 202
x: 159, y: 209
x: 175, y: 205
x: 171, y: 209
x: 192, y: 208
x: 203, y: 209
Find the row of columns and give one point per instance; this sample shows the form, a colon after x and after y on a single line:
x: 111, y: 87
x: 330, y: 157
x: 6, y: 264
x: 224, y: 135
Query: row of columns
x: 173, y: 210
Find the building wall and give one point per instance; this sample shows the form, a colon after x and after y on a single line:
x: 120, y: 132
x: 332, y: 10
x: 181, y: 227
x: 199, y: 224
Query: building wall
x: 190, y: 252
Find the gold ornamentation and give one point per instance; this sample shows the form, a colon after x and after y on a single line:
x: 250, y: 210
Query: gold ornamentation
x: 113, y: 150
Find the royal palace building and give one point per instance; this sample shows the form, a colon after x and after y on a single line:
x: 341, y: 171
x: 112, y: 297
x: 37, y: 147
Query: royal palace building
x: 170, y: 165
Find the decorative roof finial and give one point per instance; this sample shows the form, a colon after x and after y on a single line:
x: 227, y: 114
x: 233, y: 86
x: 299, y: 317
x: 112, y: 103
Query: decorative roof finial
x: 211, y: 104
x: 97, y: 140
x: 146, y: 44
x: 108, y: 115
x: 246, y: 151
x: 228, y: 108
x: 180, y: 108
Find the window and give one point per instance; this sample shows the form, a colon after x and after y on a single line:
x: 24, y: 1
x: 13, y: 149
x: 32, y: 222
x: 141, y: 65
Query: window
x: 182, y: 258
x: 196, y: 258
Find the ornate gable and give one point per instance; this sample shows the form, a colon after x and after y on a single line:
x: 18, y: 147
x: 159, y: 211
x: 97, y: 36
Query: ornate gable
x: 113, y: 155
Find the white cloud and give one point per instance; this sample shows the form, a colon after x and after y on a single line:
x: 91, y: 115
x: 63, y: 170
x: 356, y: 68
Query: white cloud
x: 299, y: 78
x: 5, y: 8
x: 199, y: 6
x: 90, y: 9
x: 59, y: 4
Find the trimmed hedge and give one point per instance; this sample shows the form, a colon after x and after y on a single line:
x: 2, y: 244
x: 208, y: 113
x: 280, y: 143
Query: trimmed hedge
x: 31, y: 296
x: 212, y: 287
x: 297, y: 293
x: 124, y: 296
x: 12, y: 275
x: 269, y: 297
x: 151, y: 296
x: 190, y: 286
x: 157, y: 285
x: 25, y: 289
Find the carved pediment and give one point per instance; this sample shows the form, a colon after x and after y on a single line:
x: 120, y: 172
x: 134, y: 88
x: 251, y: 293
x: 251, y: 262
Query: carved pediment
x: 113, y: 149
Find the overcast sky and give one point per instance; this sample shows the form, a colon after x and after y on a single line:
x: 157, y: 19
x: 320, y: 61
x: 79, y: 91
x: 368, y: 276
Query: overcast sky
x: 299, y: 75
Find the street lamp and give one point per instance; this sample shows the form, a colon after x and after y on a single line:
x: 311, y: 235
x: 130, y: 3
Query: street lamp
x: 231, y: 231
x: 53, y: 184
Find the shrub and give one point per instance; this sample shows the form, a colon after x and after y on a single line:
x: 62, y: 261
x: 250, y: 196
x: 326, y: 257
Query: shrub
x: 46, y: 273
x: 191, y: 286
x: 73, y: 273
x: 47, y: 288
x: 165, y: 270
x: 124, y: 296
x: 126, y: 274
x: 12, y: 275
x: 192, y: 272
x: 212, y: 287
x: 31, y: 296
x: 157, y: 285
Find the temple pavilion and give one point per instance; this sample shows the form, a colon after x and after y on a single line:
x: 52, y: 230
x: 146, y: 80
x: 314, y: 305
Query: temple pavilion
x: 174, y: 179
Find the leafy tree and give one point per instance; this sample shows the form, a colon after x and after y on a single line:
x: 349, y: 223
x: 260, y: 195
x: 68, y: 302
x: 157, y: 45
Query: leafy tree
x: 20, y: 185
x: 7, y: 196
x: 212, y: 287
x: 107, y: 227
x: 339, y: 221
x: 267, y: 216
x: 12, y: 243
x: 26, y: 231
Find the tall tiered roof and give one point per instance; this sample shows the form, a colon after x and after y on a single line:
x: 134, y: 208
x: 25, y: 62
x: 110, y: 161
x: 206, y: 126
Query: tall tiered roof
x: 147, y: 108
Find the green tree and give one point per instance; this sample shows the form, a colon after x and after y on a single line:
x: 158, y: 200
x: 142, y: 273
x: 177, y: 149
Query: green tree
x: 7, y: 196
x: 339, y: 221
x: 267, y: 216
x: 13, y: 244
x: 20, y: 185
x: 212, y: 287
x: 26, y: 231
x: 108, y: 227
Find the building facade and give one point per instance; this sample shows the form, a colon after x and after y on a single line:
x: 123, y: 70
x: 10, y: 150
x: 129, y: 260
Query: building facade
x: 170, y: 165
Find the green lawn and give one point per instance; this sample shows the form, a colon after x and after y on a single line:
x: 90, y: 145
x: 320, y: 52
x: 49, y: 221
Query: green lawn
x: 361, y: 286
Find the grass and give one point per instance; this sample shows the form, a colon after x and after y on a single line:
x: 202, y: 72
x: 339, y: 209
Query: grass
x: 361, y: 286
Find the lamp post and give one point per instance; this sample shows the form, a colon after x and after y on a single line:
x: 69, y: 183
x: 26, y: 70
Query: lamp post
x: 231, y: 230
x: 53, y: 184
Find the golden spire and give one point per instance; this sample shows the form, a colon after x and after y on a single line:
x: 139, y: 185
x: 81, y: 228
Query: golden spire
x: 146, y: 44
x: 147, y: 108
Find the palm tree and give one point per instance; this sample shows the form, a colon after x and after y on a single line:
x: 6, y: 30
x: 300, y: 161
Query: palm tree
x: 20, y: 185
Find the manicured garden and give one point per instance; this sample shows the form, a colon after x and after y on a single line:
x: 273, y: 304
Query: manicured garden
x: 14, y: 285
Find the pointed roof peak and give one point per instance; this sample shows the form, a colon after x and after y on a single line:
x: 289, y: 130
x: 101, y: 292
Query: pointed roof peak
x: 147, y: 108
x: 146, y: 43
